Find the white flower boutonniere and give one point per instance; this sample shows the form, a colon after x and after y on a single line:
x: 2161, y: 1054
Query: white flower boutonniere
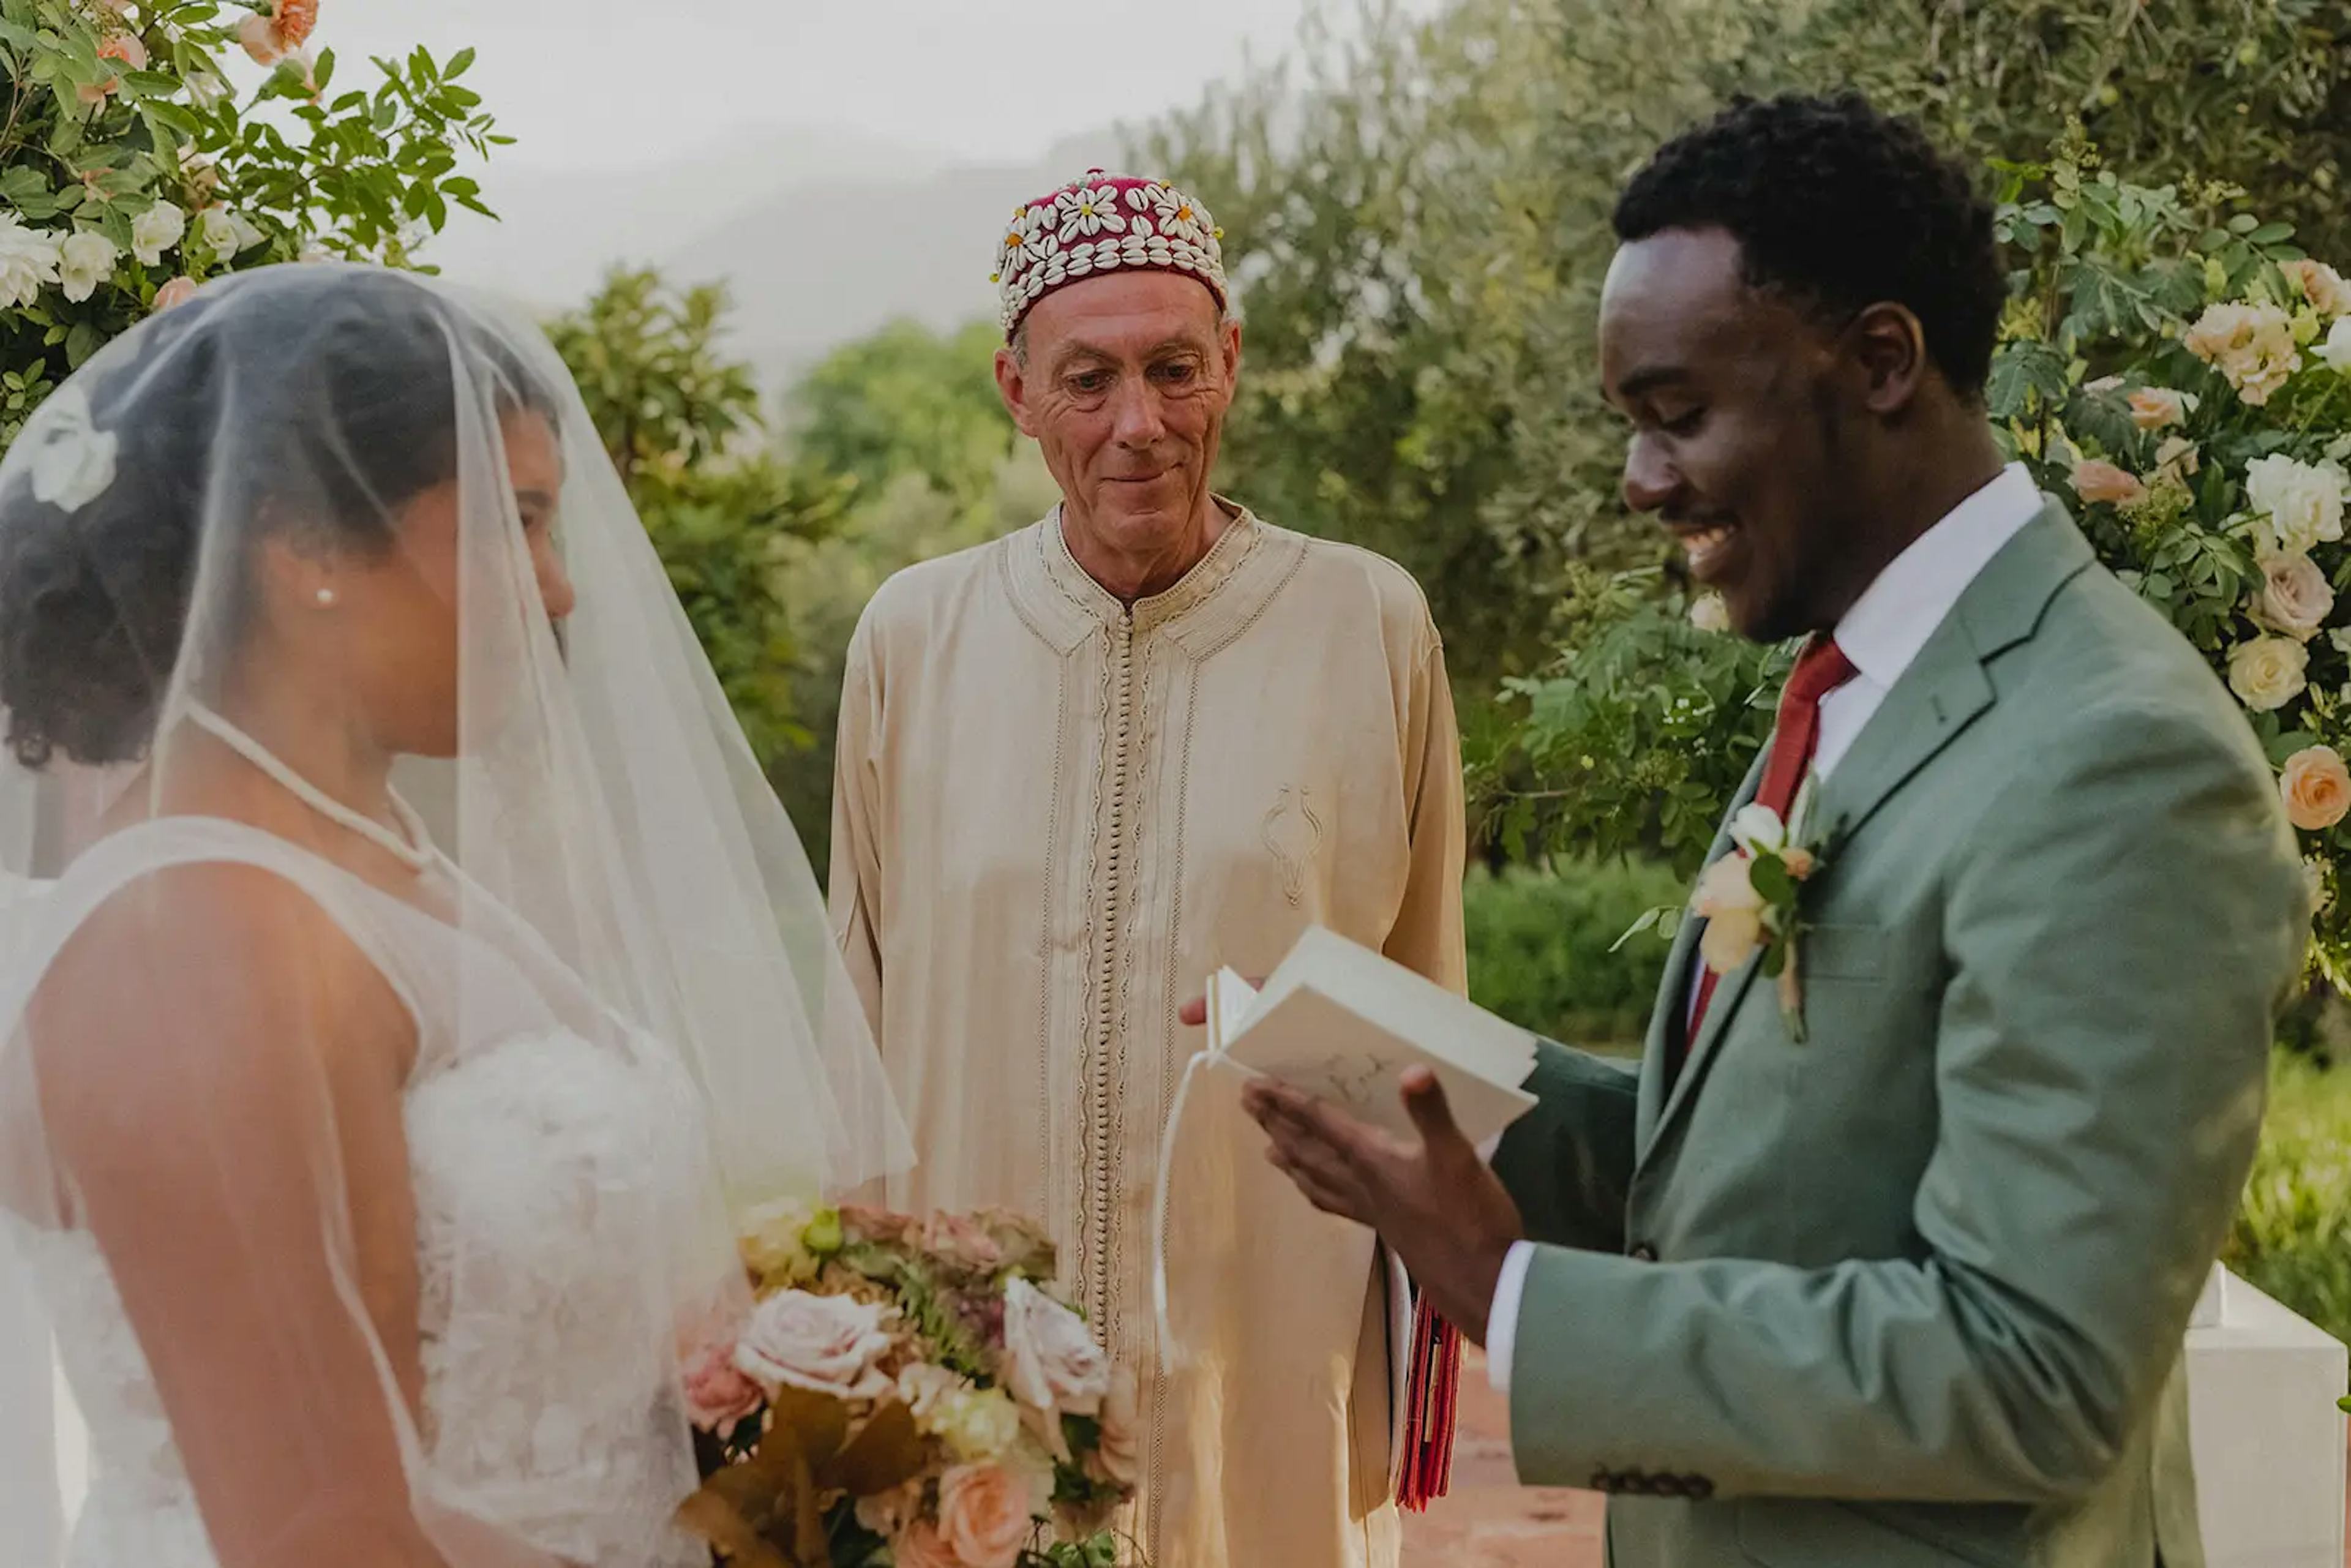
x: 1750, y: 899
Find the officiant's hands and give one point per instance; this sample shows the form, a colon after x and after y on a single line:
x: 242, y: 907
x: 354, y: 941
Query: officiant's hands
x: 1433, y: 1202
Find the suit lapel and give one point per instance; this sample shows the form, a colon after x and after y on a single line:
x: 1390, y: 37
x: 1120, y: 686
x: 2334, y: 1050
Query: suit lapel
x: 1941, y: 693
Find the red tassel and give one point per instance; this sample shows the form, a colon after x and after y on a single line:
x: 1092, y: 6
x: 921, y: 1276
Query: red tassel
x: 1432, y: 1404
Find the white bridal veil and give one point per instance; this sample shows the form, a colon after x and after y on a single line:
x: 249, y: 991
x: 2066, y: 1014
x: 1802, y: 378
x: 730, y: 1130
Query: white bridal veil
x: 367, y: 1152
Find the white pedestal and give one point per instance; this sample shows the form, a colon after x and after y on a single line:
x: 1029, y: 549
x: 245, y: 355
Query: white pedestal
x: 2267, y: 1436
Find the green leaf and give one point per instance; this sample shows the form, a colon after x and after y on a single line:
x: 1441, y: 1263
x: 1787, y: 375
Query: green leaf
x: 459, y: 64
x: 81, y: 342
x: 323, y: 71
x: 1770, y: 875
x: 2270, y: 234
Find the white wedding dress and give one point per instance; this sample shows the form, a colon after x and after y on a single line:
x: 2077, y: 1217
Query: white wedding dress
x: 549, y: 1146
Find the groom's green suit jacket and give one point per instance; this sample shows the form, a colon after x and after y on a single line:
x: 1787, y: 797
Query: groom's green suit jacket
x: 1912, y: 1290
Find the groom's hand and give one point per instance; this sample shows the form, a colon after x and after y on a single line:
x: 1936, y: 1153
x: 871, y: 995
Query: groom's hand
x: 1431, y: 1199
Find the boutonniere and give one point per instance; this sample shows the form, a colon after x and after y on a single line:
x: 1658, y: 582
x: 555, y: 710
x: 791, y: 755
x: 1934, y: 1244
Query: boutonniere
x: 1751, y: 899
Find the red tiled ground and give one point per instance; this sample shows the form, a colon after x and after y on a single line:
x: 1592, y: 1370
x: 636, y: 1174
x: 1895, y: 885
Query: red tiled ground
x: 1490, y: 1522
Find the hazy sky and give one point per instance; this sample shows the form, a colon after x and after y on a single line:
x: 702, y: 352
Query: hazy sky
x: 588, y: 83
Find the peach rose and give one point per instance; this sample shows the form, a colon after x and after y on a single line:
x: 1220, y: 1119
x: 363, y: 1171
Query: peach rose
x: 825, y: 1344
x: 177, y: 292
x: 2177, y: 459
x: 2152, y: 408
x: 2320, y: 284
x: 259, y: 35
x: 986, y: 1514
x: 2317, y: 787
x: 1708, y: 613
x: 127, y: 48
x: 2296, y: 598
x: 2268, y: 672
x: 2252, y: 345
x: 717, y: 1394
x: 2095, y: 482
x: 1727, y: 901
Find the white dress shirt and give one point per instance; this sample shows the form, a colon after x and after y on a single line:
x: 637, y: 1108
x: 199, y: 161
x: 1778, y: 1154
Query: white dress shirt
x: 1882, y: 633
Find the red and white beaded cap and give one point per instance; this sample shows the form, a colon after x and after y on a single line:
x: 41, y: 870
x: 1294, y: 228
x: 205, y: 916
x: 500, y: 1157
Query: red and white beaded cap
x: 1104, y: 223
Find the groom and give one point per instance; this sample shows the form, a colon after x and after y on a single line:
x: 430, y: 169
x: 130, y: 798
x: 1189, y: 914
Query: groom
x: 1907, y: 1285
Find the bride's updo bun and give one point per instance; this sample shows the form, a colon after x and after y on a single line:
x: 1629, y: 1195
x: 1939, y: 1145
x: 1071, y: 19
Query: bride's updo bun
x: 315, y: 398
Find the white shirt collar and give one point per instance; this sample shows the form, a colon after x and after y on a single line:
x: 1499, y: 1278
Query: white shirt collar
x: 1898, y: 613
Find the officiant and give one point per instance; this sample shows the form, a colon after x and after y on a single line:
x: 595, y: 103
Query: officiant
x: 1085, y: 766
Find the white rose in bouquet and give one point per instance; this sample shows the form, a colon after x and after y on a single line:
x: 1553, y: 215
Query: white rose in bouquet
x: 2303, y: 501
x: 1051, y: 1362
x: 824, y: 1344
x: 2268, y: 672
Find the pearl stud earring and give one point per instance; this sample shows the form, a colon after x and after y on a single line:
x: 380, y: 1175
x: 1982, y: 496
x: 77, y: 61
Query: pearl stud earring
x: 326, y: 599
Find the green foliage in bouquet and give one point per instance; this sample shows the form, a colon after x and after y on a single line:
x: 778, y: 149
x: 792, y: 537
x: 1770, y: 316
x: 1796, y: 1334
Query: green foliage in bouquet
x: 2180, y: 373
x: 130, y: 172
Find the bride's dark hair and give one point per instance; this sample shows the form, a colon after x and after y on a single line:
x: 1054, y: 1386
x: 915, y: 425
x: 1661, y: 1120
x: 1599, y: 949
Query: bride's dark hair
x: 319, y: 398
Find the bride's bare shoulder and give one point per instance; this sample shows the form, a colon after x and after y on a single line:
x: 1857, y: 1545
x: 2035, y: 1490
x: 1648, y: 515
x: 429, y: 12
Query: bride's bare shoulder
x: 193, y: 984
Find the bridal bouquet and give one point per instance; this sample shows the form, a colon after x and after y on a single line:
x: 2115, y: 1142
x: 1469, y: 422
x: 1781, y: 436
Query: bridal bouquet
x: 906, y: 1393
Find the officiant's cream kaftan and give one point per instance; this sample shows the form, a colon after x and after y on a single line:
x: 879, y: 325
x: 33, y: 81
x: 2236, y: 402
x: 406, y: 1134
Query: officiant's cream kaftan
x: 1054, y: 817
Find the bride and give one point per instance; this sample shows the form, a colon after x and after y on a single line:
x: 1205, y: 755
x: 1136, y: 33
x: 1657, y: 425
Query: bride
x: 367, y: 1179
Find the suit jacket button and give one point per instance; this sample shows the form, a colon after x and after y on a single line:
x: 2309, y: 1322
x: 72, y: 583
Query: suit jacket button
x: 1698, y: 1488
x: 1603, y: 1480
x: 1644, y: 1253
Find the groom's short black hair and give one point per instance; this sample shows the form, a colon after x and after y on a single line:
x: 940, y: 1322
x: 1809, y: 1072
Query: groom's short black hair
x: 1840, y: 207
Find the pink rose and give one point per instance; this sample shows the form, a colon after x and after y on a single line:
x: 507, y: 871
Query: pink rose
x: 986, y: 1514
x: 879, y: 1227
x: 963, y: 1241
x: 1051, y: 1362
x: 177, y: 292
x: 2296, y: 597
x: 717, y: 1394
x: 825, y: 1344
x: 2317, y: 787
x: 2095, y: 482
x: 2152, y: 408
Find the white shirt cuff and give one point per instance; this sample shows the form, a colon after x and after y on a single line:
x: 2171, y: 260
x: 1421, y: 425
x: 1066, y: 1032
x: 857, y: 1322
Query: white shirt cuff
x: 1502, y: 1321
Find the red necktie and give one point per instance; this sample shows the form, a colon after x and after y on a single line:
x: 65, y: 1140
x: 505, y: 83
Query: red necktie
x: 1820, y: 669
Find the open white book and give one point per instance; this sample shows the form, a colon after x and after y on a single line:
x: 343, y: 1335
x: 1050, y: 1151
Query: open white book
x: 1343, y: 1023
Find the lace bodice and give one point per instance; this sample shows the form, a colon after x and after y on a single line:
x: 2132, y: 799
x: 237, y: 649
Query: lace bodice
x: 548, y: 1164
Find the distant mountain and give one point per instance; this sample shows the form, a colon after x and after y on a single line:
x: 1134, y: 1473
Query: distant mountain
x: 822, y: 236
x: 561, y: 230
x: 823, y: 262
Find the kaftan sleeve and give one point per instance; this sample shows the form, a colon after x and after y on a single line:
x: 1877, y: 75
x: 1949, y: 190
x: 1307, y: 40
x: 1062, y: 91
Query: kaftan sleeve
x: 856, y: 899
x: 1426, y: 935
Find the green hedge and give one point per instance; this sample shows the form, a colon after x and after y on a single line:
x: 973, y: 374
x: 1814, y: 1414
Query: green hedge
x: 2293, y: 1235
x: 1539, y: 948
